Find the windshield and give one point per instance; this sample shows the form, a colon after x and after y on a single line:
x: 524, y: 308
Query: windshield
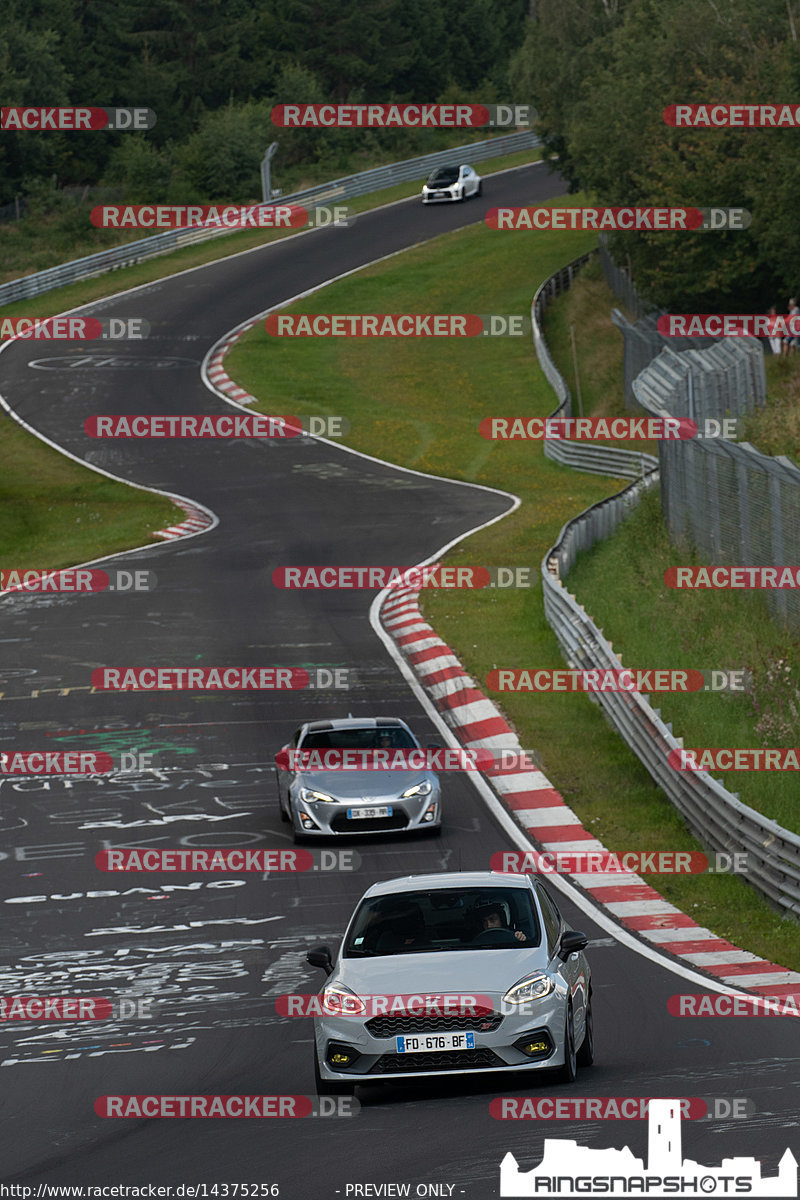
x: 368, y: 738
x: 445, y: 175
x: 458, y: 919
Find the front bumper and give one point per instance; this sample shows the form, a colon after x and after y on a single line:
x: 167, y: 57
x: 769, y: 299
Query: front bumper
x: 495, y: 1050
x: 331, y: 820
x: 443, y: 197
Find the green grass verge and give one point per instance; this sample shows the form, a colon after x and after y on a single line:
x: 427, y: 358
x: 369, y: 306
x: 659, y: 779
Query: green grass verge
x: 385, y: 390
x: 55, y: 512
x: 28, y: 247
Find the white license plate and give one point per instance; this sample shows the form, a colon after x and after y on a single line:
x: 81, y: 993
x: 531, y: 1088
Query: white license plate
x: 429, y: 1043
x: 355, y: 814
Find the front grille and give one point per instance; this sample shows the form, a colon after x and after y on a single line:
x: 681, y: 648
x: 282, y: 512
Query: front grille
x: 391, y: 1064
x: 343, y: 824
x: 391, y: 1026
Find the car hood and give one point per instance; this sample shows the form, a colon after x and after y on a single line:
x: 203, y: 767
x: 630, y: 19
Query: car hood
x: 356, y: 784
x: 488, y: 972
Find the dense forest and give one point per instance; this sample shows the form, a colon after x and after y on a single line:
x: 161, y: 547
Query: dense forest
x: 212, y: 70
x: 601, y: 73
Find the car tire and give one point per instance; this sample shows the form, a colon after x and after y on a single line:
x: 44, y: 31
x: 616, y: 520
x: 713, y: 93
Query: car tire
x: 298, y: 839
x: 326, y: 1087
x: 284, y: 814
x: 479, y: 191
x: 585, y: 1055
x: 569, y: 1070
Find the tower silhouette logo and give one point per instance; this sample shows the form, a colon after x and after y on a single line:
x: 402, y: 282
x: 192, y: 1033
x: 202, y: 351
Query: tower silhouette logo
x: 568, y: 1169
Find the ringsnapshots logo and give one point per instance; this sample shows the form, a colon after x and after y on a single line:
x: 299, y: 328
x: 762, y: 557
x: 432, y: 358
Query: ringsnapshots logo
x: 402, y: 116
x: 732, y: 116
x: 265, y: 862
x: 640, y: 220
x: 397, y: 325
x: 76, y: 119
x: 216, y: 216
x: 567, y: 1169
x: 73, y: 329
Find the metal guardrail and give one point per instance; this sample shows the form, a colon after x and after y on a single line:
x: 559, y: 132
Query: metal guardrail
x: 717, y: 818
x: 581, y: 456
x: 336, y: 191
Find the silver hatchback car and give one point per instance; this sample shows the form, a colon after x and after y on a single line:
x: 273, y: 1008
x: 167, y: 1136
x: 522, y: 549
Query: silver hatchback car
x: 324, y: 803
x: 454, y: 973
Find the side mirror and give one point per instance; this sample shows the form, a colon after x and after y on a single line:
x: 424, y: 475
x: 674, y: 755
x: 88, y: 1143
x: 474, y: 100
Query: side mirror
x: 571, y: 941
x: 320, y: 956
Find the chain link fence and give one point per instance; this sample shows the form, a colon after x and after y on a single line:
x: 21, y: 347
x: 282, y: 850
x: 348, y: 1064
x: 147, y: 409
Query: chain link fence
x: 642, y: 341
x: 727, y: 500
x: 752, y: 495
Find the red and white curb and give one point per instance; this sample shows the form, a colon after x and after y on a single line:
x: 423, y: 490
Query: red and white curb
x: 216, y: 373
x: 197, y: 519
x: 539, y: 809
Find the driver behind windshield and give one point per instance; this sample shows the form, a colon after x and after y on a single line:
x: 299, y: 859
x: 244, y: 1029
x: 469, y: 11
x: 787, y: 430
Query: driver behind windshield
x: 493, y: 917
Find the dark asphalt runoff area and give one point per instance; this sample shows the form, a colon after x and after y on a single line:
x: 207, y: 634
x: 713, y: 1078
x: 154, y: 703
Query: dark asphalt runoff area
x: 213, y: 952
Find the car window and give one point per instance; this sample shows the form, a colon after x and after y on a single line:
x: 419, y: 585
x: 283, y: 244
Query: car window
x: 551, y: 920
x: 369, y: 738
x: 444, y: 175
x: 452, y: 919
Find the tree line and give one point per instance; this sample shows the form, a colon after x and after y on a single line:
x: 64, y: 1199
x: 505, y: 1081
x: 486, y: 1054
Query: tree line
x: 601, y: 73
x: 212, y: 70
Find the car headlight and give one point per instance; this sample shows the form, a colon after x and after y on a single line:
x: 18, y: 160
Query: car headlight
x: 535, y: 986
x: 340, y: 1001
x: 310, y: 794
x: 418, y: 789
